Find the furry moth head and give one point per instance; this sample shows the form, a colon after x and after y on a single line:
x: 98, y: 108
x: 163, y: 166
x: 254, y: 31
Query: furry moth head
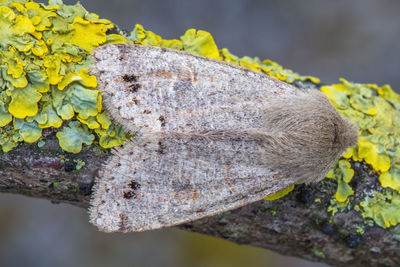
x: 210, y: 137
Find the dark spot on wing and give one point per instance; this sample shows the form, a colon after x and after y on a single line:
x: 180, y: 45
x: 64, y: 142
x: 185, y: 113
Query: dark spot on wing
x: 146, y: 111
x: 162, y: 120
x: 129, y: 194
x: 161, y: 147
x: 134, y: 185
x: 133, y: 87
x: 129, y: 78
x: 132, y: 80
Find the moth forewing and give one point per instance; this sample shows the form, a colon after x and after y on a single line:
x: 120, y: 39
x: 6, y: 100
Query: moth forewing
x: 179, y: 178
x: 211, y: 137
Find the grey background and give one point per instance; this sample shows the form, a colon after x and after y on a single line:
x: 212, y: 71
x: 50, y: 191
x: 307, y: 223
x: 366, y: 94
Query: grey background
x: 357, y: 40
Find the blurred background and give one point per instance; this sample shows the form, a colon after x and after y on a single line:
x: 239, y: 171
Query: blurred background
x: 358, y: 40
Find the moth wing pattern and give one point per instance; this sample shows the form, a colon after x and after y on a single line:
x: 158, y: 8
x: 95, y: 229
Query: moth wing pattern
x: 151, y: 89
x: 159, y: 181
x: 210, y: 136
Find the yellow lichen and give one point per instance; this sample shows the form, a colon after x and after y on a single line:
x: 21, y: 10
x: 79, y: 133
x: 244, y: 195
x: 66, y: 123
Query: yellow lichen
x: 43, y: 64
x: 200, y: 42
x: 343, y: 191
x: 391, y: 178
x: 113, y: 136
x: 280, y: 194
x: 374, y: 154
x: 267, y: 66
x: 88, y: 34
x: 83, y: 77
x: 29, y: 131
x: 140, y: 36
x: 342, y: 173
x: 376, y: 111
x: 23, y: 101
x: 52, y: 63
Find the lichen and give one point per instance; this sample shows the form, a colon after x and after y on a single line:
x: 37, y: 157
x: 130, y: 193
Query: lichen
x: 376, y: 111
x: 319, y: 253
x: 280, y: 194
x: 79, y: 164
x: 72, y: 137
x: 342, y: 173
x: 383, y: 208
x: 44, y: 55
x: 337, y: 206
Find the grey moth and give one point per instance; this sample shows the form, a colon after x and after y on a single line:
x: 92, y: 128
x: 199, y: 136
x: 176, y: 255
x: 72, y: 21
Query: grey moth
x: 210, y: 137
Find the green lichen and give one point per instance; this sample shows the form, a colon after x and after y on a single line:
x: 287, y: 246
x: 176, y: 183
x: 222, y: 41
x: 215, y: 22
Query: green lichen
x: 280, y: 194
x: 79, y: 164
x: 41, y: 144
x: 342, y: 173
x: 337, y: 206
x: 44, y: 55
x: 72, y: 137
x: 360, y: 230
x: 376, y: 111
x: 319, y: 253
x: 267, y: 66
x: 383, y: 208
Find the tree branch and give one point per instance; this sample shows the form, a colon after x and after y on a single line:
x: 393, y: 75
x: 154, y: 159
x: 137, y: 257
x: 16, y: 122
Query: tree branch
x: 298, y: 224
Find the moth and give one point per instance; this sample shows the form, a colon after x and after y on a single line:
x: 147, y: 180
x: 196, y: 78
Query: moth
x: 209, y: 137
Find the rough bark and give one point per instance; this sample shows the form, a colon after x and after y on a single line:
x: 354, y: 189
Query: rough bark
x: 297, y: 225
